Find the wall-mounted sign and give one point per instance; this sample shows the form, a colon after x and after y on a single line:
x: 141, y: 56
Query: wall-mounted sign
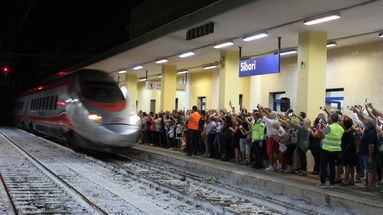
x: 150, y: 85
x: 259, y: 66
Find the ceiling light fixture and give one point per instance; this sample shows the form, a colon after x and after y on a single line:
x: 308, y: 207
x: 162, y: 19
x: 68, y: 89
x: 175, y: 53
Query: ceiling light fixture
x: 186, y: 54
x: 221, y: 45
x: 331, y: 44
x: 380, y: 35
x: 182, y: 72
x: 138, y: 67
x: 321, y: 19
x: 159, y: 76
x: 255, y: 36
x: 162, y: 61
x: 209, y: 67
x: 122, y: 71
x: 142, y: 79
x: 288, y: 52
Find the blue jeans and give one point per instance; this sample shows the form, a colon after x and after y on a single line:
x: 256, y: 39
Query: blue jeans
x: 217, y: 145
x: 370, y: 167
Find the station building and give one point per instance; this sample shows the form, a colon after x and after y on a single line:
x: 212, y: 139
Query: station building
x: 334, y: 63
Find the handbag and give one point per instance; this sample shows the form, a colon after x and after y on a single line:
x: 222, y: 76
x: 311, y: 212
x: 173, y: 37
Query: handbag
x: 152, y: 127
x: 282, y: 147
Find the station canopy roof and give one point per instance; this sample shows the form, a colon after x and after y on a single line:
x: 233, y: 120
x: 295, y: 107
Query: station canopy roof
x: 360, y: 22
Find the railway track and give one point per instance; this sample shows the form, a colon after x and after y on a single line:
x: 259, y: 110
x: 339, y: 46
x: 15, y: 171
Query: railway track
x: 33, y: 189
x: 204, y: 194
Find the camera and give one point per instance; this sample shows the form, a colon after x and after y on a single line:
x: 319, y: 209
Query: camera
x: 290, y: 114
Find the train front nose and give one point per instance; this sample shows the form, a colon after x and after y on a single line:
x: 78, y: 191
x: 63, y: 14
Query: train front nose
x: 120, y: 135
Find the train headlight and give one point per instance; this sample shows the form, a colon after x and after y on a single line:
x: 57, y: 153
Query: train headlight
x: 95, y: 118
x: 135, y: 120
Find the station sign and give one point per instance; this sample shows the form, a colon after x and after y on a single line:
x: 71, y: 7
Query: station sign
x: 259, y: 66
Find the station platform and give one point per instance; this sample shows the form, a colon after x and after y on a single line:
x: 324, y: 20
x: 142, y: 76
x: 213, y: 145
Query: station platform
x: 300, y: 191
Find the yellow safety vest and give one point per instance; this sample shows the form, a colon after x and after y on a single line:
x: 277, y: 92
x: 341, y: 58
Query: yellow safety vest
x: 333, y: 140
x: 258, y: 131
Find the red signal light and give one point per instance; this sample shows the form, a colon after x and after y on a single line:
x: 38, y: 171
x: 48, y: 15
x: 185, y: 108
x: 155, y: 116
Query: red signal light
x: 63, y: 73
x: 5, y: 69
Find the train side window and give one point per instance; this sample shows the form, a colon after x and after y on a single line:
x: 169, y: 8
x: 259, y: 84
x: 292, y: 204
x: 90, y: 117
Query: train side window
x: 50, y: 103
x: 56, y: 100
x: 46, y: 103
x: 40, y: 103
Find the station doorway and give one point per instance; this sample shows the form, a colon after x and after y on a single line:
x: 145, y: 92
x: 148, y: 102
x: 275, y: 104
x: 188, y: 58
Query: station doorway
x: 201, y: 103
x: 152, y: 105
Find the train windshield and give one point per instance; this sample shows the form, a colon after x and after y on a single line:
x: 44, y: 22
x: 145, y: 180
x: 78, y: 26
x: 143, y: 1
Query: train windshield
x: 102, y: 91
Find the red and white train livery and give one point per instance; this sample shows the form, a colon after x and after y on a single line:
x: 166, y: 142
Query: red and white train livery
x: 85, y: 108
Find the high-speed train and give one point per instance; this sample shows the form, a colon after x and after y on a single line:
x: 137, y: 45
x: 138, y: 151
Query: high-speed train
x: 86, y: 108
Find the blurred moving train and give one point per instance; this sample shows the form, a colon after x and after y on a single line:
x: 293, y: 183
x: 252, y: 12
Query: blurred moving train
x: 85, y: 108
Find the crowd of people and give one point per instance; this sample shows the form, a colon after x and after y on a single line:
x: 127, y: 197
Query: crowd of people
x: 348, y: 146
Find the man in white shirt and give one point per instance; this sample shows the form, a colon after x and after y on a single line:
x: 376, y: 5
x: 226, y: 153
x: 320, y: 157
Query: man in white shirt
x: 272, y: 145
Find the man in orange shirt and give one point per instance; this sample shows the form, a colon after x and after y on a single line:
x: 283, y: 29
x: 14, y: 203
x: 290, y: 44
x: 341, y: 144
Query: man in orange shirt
x: 193, y: 120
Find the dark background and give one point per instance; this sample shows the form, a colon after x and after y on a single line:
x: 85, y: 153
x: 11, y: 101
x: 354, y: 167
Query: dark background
x: 39, y: 38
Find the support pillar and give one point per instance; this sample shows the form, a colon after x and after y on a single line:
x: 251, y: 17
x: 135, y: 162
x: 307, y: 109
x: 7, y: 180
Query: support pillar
x: 131, y: 86
x: 229, y: 80
x: 311, y: 78
x: 168, y: 87
x: 255, y: 92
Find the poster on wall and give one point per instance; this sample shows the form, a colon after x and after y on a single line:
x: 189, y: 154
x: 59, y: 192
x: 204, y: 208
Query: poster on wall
x: 259, y: 66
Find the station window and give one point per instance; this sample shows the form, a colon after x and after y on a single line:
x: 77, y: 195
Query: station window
x: 275, y: 100
x: 201, y: 103
x: 152, y: 105
x: 240, y: 101
x: 334, y: 98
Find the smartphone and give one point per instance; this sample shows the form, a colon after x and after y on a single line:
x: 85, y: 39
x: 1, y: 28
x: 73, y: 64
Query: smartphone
x: 322, y: 108
x: 241, y: 126
x: 320, y: 121
x: 290, y: 114
x: 366, y: 101
x: 349, y: 107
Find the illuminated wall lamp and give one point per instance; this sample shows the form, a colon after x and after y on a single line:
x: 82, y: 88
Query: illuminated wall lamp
x: 186, y: 54
x: 162, y: 61
x: 122, y: 71
x: 221, y: 45
x: 321, y: 19
x: 209, y: 67
x: 255, y: 37
x: 182, y: 72
x: 331, y: 44
x: 380, y: 35
x: 138, y: 67
x: 288, y: 52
